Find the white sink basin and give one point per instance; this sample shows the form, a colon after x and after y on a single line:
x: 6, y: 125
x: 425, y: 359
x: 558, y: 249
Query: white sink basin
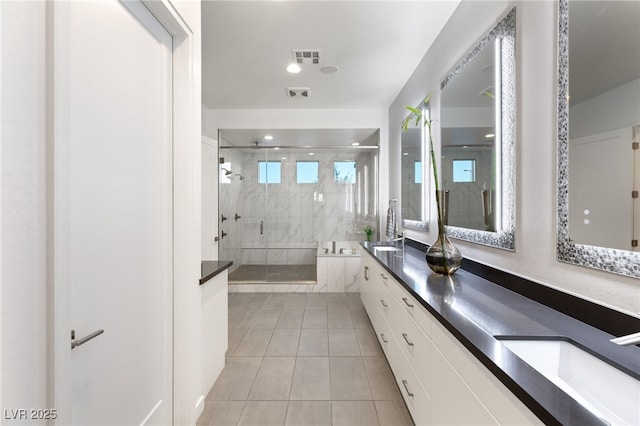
x: 604, y: 390
x: 386, y: 248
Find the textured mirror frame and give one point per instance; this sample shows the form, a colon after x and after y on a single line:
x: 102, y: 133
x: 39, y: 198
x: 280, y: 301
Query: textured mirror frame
x: 422, y: 225
x: 616, y: 261
x: 504, y: 238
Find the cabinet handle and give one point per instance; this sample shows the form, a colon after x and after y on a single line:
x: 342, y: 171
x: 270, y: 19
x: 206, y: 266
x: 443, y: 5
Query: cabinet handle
x: 366, y: 269
x: 404, y: 299
x: 383, y: 339
x: 384, y: 277
x: 383, y: 303
x: 406, y: 387
x: 406, y: 339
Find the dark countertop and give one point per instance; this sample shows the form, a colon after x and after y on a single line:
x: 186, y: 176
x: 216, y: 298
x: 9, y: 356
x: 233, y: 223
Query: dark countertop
x: 211, y: 268
x: 475, y: 310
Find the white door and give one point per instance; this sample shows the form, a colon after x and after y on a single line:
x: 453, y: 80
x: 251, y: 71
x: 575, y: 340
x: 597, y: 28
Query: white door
x: 119, y: 208
x: 601, y: 180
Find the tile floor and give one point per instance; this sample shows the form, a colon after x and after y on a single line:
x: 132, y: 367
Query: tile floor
x: 303, y: 359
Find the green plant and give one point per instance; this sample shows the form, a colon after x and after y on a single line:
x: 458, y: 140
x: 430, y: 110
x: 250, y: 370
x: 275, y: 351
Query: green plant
x: 368, y: 230
x: 418, y: 114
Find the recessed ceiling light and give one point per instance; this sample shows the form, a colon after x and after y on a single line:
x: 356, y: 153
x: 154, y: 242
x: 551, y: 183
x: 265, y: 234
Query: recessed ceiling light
x: 283, y: 158
x: 276, y: 147
x: 355, y: 143
x: 312, y: 153
x: 406, y: 153
x: 268, y: 137
x: 489, y: 135
x: 294, y: 68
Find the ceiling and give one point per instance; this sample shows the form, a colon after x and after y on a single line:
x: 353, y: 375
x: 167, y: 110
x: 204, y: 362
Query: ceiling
x: 328, y: 138
x: 604, y: 42
x: 376, y: 46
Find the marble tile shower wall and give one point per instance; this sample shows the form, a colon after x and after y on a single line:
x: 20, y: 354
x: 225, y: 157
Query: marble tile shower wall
x: 465, y: 199
x: 294, y: 216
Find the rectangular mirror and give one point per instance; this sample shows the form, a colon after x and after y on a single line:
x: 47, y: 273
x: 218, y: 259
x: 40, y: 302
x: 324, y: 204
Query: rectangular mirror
x: 477, y: 121
x: 599, y: 134
x: 415, y: 182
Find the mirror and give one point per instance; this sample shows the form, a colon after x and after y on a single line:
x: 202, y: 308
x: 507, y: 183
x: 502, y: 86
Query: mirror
x: 415, y: 182
x: 598, y: 129
x: 477, y: 121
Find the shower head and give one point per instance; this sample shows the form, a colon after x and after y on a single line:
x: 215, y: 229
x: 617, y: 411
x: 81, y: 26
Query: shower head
x: 226, y: 172
x: 241, y: 177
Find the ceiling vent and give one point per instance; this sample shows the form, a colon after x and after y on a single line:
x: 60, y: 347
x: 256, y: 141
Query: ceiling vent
x: 306, y: 56
x: 298, y: 92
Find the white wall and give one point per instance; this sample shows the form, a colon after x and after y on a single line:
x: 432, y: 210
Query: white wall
x: 215, y: 119
x: 535, y: 254
x: 23, y: 203
x: 215, y: 330
x: 612, y: 110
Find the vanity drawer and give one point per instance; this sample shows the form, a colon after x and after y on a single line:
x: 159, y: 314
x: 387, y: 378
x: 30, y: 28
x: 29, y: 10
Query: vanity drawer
x: 384, y: 335
x: 386, y: 302
x: 415, y: 346
x: 411, y: 306
x: 416, y: 398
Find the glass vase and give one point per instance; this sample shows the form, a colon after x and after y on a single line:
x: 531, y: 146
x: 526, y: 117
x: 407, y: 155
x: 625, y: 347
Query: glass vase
x: 443, y: 257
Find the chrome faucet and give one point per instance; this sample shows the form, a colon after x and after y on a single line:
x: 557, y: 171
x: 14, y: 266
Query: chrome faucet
x: 629, y: 339
x: 400, y: 238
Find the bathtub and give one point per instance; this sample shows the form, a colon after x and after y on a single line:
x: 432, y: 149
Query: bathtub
x: 338, y: 272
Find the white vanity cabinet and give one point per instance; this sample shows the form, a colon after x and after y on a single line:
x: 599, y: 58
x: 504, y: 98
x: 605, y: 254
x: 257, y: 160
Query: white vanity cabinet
x: 441, y: 381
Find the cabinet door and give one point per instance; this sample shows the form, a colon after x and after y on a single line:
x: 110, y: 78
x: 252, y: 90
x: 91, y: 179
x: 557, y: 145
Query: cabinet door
x: 453, y: 402
x: 504, y: 406
x: 418, y: 401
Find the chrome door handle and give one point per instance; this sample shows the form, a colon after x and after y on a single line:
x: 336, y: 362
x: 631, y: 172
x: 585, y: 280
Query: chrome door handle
x: 261, y: 227
x: 404, y: 299
x: 406, y: 387
x: 406, y: 339
x: 75, y: 343
x: 366, y: 269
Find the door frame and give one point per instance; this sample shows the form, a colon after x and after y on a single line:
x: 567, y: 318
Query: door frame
x: 186, y: 211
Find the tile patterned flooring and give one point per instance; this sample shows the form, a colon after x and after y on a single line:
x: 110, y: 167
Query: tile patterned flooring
x: 303, y: 359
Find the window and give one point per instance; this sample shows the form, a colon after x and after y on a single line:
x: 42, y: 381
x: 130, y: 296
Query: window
x: 269, y: 172
x: 464, y: 170
x: 307, y: 172
x: 417, y: 172
x: 344, y: 171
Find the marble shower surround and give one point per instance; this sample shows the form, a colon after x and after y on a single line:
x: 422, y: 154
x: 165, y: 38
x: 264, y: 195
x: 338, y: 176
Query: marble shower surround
x: 465, y: 199
x: 295, y: 216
